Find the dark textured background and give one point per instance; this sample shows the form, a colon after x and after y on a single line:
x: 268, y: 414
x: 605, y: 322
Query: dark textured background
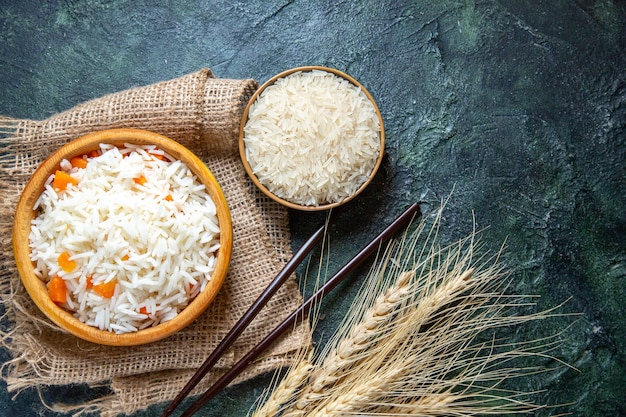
x: 518, y: 106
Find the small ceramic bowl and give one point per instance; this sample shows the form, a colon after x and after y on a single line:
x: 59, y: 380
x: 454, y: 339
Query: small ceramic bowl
x: 37, y: 288
x: 265, y: 189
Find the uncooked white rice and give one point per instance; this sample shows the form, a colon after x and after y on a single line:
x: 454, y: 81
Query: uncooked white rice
x: 158, y: 240
x: 312, y: 138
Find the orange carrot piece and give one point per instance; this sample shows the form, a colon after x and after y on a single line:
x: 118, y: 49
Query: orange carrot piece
x: 62, y: 179
x: 65, y: 263
x: 106, y: 289
x: 57, y: 290
x: 143, y: 310
x: 89, y: 282
x: 125, y: 257
x: 78, y: 162
x: 169, y: 197
x: 140, y: 180
x: 94, y: 154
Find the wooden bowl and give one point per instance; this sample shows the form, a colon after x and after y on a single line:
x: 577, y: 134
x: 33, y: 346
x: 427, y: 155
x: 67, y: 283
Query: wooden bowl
x: 255, y: 179
x: 37, y: 288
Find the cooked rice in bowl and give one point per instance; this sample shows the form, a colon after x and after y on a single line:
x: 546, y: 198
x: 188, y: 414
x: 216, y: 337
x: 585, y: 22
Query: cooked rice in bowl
x: 125, y: 238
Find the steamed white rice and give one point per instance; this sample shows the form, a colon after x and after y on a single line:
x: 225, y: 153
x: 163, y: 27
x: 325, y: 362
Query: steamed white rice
x: 158, y: 240
x: 312, y: 138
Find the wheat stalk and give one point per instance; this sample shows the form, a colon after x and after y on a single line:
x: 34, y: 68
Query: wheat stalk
x: 285, y: 390
x: 357, y: 399
x: 366, y: 325
x: 377, y: 376
x: 355, y: 345
x: 357, y: 349
x: 422, y: 338
x: 362, y: 336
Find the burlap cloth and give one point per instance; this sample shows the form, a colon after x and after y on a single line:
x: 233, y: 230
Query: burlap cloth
x: 203, y: 113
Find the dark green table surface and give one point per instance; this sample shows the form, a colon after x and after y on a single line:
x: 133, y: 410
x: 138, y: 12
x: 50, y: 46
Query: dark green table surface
x: 518, y: 106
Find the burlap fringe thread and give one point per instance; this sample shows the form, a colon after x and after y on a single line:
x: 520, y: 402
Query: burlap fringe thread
x: 203, y: 113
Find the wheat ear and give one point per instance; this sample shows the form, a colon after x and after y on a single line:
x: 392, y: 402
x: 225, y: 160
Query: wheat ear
x: 365, y: 327
x: 369, y: 329
x: 438, y: 351
x: 363, y: 335
x: 376, y: 377
x: 284, y: 392
x: 359, y: 398
x: 361, y: 338
x: 430, y: 349
x: 347, y: 364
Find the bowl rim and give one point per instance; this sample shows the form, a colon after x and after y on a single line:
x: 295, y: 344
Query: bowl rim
x: 37, y: 289
x: 244, y: 120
